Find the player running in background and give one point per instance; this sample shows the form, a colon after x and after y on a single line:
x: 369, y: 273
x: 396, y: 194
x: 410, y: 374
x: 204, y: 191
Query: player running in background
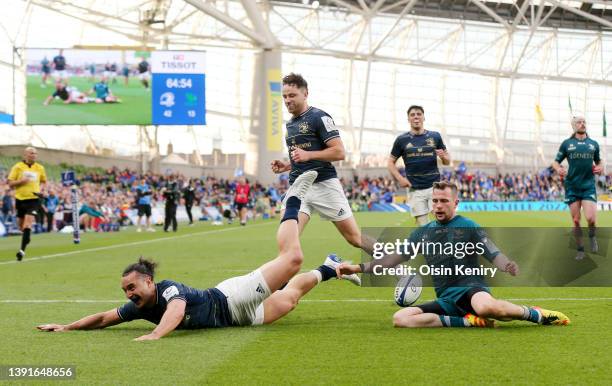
x: 92, y: 72
x: 107, y: 70
x: 113, y: 73
x: 59, y: 67
x: 125, y: 72
x: 247, y: 300
x: 26, y: 178
x: 103, y: 93
x: 314, y: 143
x: 143, y: 200
x: 583, y: 158
x: 143, y: 72
x: 420, y: 149
x: 45, y: 70
x: 241, y: 199
x: 462, y: 300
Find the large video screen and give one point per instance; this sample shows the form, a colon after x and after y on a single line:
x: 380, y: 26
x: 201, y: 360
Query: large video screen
x: 115, y: 87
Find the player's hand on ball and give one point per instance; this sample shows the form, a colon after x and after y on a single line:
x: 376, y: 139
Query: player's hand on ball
x: 299, y: 155
x: 146, y: 337
x: 512, y: 268
x: 347, y: 269
x: 52, y: 327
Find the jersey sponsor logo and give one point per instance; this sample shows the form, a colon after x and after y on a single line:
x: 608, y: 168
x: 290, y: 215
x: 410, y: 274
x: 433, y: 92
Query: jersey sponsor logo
x: 430, y: 142
x: 591, y: 146
x: 303, y: 128
x: 170, y: 292
x: 409, y: 145
x: 329, y: 123
x: 260, y: 289
x: 571, y: 147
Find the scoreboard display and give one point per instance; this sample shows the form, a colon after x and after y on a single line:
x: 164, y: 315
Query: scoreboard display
x: 113, y: 87
x: 178, y: 96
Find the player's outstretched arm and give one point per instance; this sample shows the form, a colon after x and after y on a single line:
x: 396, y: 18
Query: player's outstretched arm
x: 91, y: 322
x: 173, y: 316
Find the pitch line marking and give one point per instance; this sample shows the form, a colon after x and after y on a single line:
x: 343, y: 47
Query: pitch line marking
x: 27, y: 260
x: 44, y: 301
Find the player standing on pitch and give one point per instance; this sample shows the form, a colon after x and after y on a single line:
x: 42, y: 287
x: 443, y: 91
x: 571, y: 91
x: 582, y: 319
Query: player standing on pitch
x: 582, y: 155
x: 314, y: 143
x: 420, y: 149
x: 26, y: 177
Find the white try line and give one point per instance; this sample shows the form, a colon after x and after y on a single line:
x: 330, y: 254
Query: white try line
x: 30, y: 259
x: 45, y: 301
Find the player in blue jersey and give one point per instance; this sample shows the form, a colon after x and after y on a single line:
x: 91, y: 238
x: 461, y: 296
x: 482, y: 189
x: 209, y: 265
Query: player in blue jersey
x: 59, y: 67
x: 253, y: 299
x: 462, y: 300
x: 314, y: 143
x: 582, y: 154
x: 420, y: 150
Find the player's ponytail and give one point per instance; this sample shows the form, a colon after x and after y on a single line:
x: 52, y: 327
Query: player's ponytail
x: 143, y: 266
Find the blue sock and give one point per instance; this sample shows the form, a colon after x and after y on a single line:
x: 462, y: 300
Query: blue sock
x: 292, y: 208
x: 326, y: 272
x: 453, y: 321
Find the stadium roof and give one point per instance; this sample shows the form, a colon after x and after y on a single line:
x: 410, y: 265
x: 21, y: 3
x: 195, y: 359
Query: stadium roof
x: 589, y: 15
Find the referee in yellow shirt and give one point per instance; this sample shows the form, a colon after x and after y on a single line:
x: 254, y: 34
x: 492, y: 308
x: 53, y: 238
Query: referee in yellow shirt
x: 26, y: 177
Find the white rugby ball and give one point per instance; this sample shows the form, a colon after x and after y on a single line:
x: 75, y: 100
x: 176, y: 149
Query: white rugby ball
x: 408, y: 290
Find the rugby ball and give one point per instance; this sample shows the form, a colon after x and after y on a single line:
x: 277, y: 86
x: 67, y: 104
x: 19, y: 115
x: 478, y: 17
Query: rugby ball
x: 408, y: 290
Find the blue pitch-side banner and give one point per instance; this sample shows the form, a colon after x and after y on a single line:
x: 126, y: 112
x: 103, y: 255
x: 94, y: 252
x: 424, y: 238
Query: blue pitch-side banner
x: 511, y: 206
x: 178, y: 88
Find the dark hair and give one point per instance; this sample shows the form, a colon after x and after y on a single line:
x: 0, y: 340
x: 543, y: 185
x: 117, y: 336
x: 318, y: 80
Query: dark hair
x: 144, y: 267
x: 415, y: 107
x: 443, y: 185
x: 295, y: 79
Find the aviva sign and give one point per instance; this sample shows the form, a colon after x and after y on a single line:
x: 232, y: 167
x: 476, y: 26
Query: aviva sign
x: 274, y: 132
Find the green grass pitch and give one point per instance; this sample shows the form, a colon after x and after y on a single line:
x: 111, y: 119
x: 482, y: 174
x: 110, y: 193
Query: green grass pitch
x: 339, y: 334
x: 135, y: 108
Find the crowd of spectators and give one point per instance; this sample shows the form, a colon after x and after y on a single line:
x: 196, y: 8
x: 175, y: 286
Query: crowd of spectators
x: 106, y: 197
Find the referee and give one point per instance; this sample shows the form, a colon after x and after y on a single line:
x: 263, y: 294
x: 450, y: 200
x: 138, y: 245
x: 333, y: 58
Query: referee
x: 25, y: 177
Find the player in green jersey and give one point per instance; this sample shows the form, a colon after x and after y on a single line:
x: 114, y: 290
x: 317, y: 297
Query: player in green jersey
x: 582, y: 155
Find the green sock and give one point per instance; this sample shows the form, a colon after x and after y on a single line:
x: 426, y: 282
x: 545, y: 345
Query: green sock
x: 454, y: 321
